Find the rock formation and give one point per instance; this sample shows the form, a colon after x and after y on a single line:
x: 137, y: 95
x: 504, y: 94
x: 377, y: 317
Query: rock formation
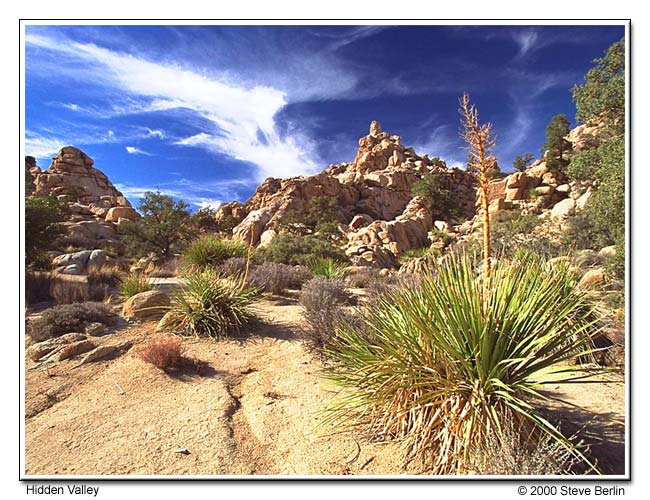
x: 96, y: 207
x: 373, y: 194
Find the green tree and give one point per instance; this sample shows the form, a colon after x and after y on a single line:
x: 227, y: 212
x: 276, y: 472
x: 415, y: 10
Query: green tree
x: 164, y: 228
x: 433, y: 189
x: 556, y: 144
x: 602, y: 96
x: 521, y: 163
x: 602, y: 99
x: 43, y: 217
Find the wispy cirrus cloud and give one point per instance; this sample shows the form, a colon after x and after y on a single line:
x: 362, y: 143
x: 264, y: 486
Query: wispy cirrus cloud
x: 243, y: 116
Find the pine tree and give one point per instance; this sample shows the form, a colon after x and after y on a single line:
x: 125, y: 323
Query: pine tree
x: 556, y: 144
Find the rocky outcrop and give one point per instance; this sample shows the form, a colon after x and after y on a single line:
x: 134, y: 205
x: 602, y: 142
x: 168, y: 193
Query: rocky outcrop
x: 95, y: 206
x: 80, y: 262
x: 373, y: 194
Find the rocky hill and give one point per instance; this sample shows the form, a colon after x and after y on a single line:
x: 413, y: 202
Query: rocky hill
x: 96, y: 208
x: 377, y: 211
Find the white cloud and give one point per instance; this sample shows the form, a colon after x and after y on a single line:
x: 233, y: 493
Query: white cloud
x: 156, y: 133
x: 72, y: 106
x: 42, y: 147
x: 132, y: 150
x: 242, y: 114
x: 527, y: 41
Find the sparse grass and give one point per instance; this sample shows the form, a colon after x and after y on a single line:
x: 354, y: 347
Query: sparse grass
x: 209, y: 305
x: 167, y: 269
x: 451, y: 360
x: 37, y: 287
x: 414, y: 253
x: 134, y: 284
x: 277, y: 278
x: 110, y: 275
x: 326, y: 267
x: 70, y: 292
x: 163, y: 352
x: 67, y: 318
x: 209, y: 252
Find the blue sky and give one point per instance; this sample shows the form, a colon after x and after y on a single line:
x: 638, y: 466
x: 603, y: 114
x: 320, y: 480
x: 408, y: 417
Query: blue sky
x: 205, y: 113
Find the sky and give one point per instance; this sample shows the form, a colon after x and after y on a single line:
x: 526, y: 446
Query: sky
x: 205, y: 113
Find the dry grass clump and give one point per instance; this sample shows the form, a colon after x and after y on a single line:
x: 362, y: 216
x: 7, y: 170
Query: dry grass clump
x: 451, y: 360
x: 363, y: 278
x: 166, y: 269
x: 71, y: 292
x: 110, y: 275
x: 37, y: 287
x: 163, y: 352
x: 134, y: 284
x: 68, y: 318
x: 209, y: 305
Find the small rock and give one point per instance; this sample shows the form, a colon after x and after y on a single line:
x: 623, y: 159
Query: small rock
x: 592, y: 278
x: 96, y: 329
x: 608, y: 252
x: 182, y: 451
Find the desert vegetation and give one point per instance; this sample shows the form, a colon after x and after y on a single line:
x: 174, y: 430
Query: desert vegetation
x: 437, y: 311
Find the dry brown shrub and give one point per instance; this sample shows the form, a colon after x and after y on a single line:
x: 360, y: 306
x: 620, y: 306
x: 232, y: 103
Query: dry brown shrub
x: 163, y: 352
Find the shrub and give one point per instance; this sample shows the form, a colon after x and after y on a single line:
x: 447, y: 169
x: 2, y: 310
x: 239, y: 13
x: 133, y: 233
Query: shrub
x: 287, y: 248
x: 452, y: 359
x: 110, y: 275
x: 512, y: 233
x: 321, y: 299
x: 276, y: 278
x: 326, y: 267
x: 163, y: 352
x: 70, y: 292
x: 59, y: 320
x: 37, y: 287
x: 43, y: 217
x: 436, y: 194
x: 209, y: 305
x: 507, y: 452
x: 210, y: 251
x: 362, y: 278
x: 134, y: 284
x: 415, y: 253
x: 234, y: 266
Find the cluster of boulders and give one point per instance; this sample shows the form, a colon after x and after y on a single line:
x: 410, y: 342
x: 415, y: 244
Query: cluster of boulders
x: 376, y: 208
x: 97, y: 209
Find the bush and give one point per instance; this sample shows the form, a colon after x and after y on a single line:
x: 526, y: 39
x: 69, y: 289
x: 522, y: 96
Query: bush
x: 70, y: 292
x: 134, y: 284
x: 436, y: 194
x: 110, y: 275
x: 43, y: 217
x: 235, y: 266
x: 163, y: 352
x: 508, y: 452
x: 209, y: 305
x: 513, y: 233
x: 451, y: 359
x: 210, y: 251
x: 326, y: 267
x: 68, y: 318
x: 321, y: 299
x: 276, y: 278
x: 287, y: 248
x: 362, y: 278
x: 37, y: 287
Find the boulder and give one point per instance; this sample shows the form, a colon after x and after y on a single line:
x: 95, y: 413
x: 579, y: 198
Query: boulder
x: 563, y: 209
x: 115, y: 213
x: 592, y: 278
x: 608, y: 252
x: 267, y: 237
x: 96, y: 260
x: 95, y: 329
x: 251, y: 228
x: 146, y: 305
x: 359, y: 221
x: 582, y: 200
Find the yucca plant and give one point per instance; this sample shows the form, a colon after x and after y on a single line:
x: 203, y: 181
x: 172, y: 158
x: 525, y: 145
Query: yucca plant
x: 209, y: 305
x: 210, y: 251
x: 326, y: 267
x: 445, y: 364
x: 134, y: 284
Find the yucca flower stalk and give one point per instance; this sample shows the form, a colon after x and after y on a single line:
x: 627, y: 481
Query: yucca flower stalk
x: 434, y: 367
x: 480, y: 145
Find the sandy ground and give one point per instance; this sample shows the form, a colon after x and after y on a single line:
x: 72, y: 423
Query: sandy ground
x: 253, y: 408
